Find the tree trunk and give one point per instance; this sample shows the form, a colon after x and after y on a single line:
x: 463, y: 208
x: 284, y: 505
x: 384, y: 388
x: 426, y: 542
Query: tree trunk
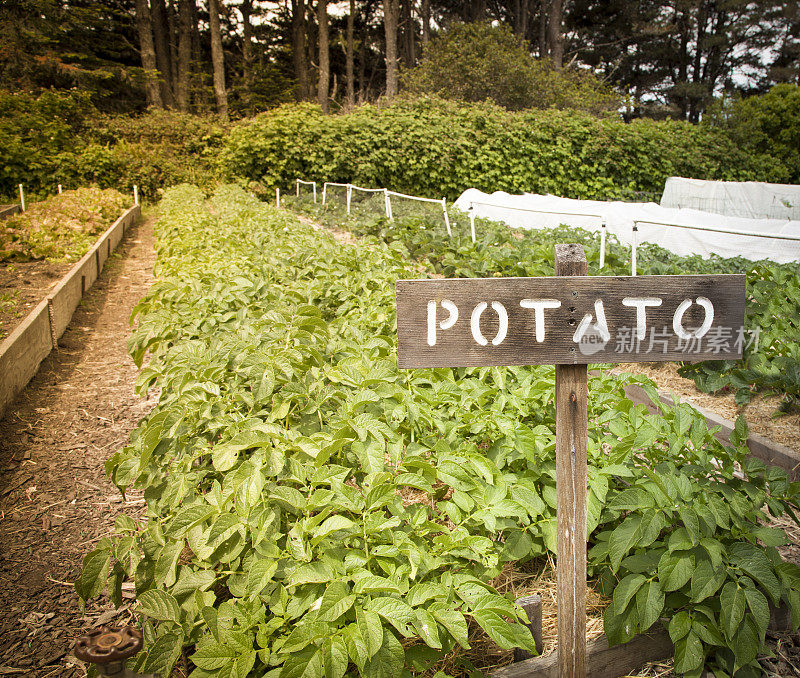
x: 311, y: 48
x: 148, y: 53
x: 323, y: 81
x: 217, y: 59
x: 426, y: 21
x: 521, y: 19
x: 184, y: 54
x: 544, y: 10
x: 173, y: 45
x: 409, y: 29
x: 350, y: 56
x: 160, y: 33
x: 390, y: 17
x: 247, y: 53
x: 299, y: 48
x: 555, y: 36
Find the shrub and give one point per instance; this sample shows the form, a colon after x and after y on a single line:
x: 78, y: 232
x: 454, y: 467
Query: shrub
x: 432, y: 147
x: 481, y: 62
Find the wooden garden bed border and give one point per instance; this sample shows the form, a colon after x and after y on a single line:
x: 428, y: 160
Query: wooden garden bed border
x: 603, y: 661
x: 23, y: 350
x: 7, y: 211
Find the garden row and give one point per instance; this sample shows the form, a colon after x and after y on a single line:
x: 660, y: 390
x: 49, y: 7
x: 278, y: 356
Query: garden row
x: 313, y: 511
x: 771, y: 342
x: 76, y: 233
x: 426, y: 147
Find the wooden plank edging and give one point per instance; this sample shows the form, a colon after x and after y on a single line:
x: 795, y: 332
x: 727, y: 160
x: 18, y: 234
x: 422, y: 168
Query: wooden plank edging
x: 23, y: 350
x: 7, y: 211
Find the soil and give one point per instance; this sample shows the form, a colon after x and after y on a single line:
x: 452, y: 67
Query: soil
x: 22, y: 286
x: 55, y: 500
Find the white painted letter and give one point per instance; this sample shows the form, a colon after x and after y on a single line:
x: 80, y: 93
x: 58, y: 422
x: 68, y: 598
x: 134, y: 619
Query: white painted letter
x: 475, y: 323
x: 677, y: 319
x: 641, y: 304
x: 444, y: 324
x: 601, y: 325
x: 538, y: 306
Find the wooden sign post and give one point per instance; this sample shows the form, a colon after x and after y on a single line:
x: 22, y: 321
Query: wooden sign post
x: 569, y: 321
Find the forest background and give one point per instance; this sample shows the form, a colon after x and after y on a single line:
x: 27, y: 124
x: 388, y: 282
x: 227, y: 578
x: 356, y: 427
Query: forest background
x: 154, y: 92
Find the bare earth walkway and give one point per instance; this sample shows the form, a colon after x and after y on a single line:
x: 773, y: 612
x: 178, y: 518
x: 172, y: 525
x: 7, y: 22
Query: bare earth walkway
x: 55, y: 499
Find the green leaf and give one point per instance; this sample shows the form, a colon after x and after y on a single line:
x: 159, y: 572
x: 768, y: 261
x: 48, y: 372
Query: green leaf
x: 388, y: 662
x: 94, y: 574
x: 332, y: 524
x: 162, y: 655
x: 259, y: 575
x: 674, y: 570
x: 759, y: 606
x: 397, y: 612
x: 746, y: 643
x: 623, y: 539
x: 752, y: 560
x: 706, y: 580
x: 453, y: 621
x: 158, y: 604
x: 689, y: 653
x: 507, y: 636
x: 212, y: 655
x: 649, y: 603
x: 625, y: 591
x: 679, y: 625
x: 189, y: 517
x: 732, y: 602
x: 371, y: 629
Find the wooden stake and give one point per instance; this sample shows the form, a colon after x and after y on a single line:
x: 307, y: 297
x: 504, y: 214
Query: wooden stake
x: 571, y: 443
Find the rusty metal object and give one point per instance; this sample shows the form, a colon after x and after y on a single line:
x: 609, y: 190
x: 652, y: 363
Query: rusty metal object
x: 108, y: 644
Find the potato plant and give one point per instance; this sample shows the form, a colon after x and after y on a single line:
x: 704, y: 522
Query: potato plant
x: 314, y: 511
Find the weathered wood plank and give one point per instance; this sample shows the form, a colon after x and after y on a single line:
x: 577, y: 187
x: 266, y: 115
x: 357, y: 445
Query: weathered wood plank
x: 533, y: 608
x: 571, y: 397
x: 7, y: 211
x: 602, y: 661
x: 22, y: 352
x: 529, y: 321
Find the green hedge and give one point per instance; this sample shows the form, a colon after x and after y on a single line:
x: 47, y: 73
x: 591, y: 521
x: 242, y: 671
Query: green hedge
x: 60, y: 138
x: 436, y: 148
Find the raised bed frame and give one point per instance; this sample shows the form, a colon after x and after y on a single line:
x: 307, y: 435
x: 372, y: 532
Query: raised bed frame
x: 23, y: 350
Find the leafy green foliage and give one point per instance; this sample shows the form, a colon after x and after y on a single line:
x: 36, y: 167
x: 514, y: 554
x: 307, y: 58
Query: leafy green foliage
x: 766, y: 124
x: 312, y: 510
x: 483, y: 62
x: 63, y: 227
x: 434, y: 148
x: 771, y: 362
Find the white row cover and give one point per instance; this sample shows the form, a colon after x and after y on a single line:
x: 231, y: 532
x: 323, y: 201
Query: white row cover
x: 533, y: 211
x: 750, y: 199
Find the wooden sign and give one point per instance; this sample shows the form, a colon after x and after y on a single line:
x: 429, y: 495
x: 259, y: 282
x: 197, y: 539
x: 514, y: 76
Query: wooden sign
x: 466, y: 322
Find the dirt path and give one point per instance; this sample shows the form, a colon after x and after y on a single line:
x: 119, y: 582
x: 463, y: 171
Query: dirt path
x: 55, y: 500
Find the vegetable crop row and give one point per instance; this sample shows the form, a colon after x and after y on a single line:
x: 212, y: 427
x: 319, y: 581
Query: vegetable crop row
x: 314, y: 511
x: 771, y: 362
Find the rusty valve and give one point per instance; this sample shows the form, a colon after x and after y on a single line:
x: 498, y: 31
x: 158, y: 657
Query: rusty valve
x: 108, y: 644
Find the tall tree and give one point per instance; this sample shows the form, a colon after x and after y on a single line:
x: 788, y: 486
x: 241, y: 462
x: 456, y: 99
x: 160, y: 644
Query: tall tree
x: 217, y: 59
x: 323, y: 79
x: 248, y: 56
x: 145, y: 29
x: 555, y: 36
x: 350, y: 56
x: 184, y: 54
x: 391, y: 12
x: 160, y: 21
x: 426, y: 21
x: 299, y: 49
x: 409, y: 34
